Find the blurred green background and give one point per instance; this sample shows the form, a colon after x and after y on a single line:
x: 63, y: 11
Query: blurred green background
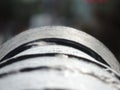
x: 100, y: 19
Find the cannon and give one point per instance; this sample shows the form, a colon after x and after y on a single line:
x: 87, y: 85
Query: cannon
x: 57, y: 58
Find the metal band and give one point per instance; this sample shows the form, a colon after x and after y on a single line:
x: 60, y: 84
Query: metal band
x: 65, y: 33
x: 55, y: 50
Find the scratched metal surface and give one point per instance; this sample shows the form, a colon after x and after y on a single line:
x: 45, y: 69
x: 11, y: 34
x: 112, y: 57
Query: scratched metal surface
x: 38, y: 63
x: 59, y: 72
x: 62, y: 33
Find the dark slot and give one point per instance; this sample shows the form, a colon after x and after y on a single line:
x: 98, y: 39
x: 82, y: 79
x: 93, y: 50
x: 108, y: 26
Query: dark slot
x: 59, y: 41
x: 22, y: 58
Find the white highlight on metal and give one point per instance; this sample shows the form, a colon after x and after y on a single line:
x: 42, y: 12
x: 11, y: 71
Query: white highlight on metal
x: 64, y: 70
x: 75, y: 74
x: 65, y: 33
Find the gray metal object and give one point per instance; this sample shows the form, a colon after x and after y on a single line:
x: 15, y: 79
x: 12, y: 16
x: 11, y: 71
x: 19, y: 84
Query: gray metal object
x: 57, y: 58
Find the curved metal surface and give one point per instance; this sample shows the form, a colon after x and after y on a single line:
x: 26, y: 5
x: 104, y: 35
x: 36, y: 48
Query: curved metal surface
x: 59, y: 72
x: 61, y: 33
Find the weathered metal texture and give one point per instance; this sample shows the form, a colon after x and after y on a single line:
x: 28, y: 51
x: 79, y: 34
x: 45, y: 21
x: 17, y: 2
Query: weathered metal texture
x: 60, y: 72
x: 57, y: 58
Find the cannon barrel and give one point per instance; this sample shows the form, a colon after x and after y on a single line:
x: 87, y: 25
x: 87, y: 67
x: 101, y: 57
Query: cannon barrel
x: 57, y: 58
